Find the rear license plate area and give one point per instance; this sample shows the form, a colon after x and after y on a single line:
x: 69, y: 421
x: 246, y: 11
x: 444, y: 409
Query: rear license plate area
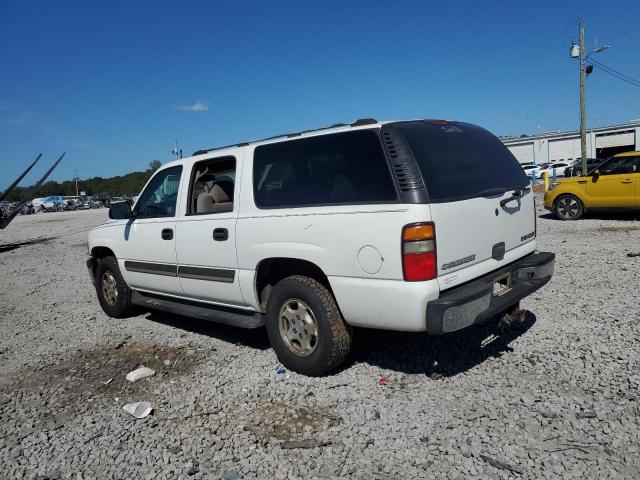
x: 502, y: 285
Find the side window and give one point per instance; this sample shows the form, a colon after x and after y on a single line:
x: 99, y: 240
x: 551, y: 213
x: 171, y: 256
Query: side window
x: 340, y: 168
x: 620, y: 165
x: 212, y: 186
x: 159, y: 198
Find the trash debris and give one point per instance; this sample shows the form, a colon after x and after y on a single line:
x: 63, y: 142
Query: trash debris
x: 383, y: 381
x: 138, y: 409
x: 586, y: 415
x: 167, y: 362
x: 231, y: 475
x: 107, y: 382
x: 338, y: 385
x: 55, y: 475
x: 122, y: 343
x: 502, y: 465
x: 195, y: 468
x: 281, y: 371
x: 633, y: 254
x: 140, y: 373
x: 308, y: 443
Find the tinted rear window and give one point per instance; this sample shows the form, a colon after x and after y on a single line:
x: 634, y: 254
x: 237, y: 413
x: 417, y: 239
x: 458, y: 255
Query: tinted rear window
x: 340, y: 168
x: 459, y: 161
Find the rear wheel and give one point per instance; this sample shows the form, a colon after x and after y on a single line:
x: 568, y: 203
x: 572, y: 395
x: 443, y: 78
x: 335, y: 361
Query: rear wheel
x: 305, y: 327
x: 568, y: 207
x: 113, y: 293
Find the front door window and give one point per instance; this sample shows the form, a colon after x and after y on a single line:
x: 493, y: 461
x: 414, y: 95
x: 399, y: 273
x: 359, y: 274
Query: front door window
x: 160, y: 196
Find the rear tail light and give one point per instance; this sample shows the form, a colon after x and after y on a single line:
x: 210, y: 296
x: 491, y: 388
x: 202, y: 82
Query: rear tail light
x: 419, y: 252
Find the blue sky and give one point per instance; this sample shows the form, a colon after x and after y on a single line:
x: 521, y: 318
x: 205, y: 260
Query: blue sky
x: 111, y: 82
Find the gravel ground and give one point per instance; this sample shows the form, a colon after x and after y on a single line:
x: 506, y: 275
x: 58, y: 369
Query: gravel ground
x: 559, y: 398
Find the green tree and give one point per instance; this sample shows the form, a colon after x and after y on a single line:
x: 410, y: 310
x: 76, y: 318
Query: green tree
x: 154, y: 165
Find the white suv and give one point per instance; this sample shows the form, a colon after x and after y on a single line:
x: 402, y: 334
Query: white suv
x: 418, y: 226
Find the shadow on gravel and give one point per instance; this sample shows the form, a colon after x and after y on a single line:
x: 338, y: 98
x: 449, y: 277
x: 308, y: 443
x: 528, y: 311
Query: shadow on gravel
x: 255, y: 338
x: 436, y: 357
x: 7, y: 247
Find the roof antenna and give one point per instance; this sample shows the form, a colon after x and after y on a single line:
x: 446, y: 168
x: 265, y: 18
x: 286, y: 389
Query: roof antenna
x: 177, y: 151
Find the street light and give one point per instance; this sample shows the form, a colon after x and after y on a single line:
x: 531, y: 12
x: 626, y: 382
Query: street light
x: 578, y: 51
x: 598, y: 50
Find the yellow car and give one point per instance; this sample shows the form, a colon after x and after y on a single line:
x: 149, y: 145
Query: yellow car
x: 613, y: 185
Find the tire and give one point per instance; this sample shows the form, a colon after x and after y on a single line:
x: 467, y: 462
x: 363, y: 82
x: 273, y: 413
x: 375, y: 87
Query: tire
x: 313, y: 305
x: 568, y: 207
x: 113, y: 293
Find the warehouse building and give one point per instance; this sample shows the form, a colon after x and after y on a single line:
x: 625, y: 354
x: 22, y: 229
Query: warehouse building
x: 565, y: 146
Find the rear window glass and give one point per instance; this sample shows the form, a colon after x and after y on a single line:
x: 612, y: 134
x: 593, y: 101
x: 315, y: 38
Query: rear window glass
x: 459, y: 160
x: 340, y: 168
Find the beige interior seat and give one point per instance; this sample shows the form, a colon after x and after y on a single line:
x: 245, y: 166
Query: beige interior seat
x: 222, y: 193
x: 205, y: 203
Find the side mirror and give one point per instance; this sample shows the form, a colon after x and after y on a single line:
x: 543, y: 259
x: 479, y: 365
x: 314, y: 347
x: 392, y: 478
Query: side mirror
x: 120, y: 211
x: 595, y: 175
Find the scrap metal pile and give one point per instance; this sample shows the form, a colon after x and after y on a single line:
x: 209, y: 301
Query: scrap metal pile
x: 9, y: 213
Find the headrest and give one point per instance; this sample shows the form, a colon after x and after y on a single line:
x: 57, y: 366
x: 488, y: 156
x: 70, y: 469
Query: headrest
x: 222, y: 191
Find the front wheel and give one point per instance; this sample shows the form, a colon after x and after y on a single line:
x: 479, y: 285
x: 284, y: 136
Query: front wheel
x: 113, y: 293
x: 305, y: 327
x: 568, y: 207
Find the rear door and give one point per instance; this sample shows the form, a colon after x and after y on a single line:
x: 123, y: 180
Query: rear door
x: 206, y: 234
x: 480, y: 200
x: 615, y: 186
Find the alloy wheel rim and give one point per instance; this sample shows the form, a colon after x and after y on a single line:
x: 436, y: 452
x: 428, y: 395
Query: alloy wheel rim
x: 298, y: 327
x: 109, y: 288
x: 568, y: 207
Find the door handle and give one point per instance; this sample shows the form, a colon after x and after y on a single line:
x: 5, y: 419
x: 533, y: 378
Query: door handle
x: 626, y: 180
x: 220, y: 234
x: 167, y: 234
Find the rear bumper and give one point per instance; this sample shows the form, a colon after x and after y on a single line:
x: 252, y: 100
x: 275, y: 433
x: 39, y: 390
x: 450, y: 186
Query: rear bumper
x: 474, y: 302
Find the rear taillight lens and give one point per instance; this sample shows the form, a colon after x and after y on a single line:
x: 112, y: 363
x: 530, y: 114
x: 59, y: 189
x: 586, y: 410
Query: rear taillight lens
x: 419, y: 252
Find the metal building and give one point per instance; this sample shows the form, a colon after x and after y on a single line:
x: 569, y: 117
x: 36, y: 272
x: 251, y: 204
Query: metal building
x: 565, y: 146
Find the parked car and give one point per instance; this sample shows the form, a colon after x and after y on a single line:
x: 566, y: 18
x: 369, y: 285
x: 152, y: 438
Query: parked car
x: 415, y: 226
x: 529, y: 169
x: 575, y: 170
x: 548, y: 168
x: 613, y: 185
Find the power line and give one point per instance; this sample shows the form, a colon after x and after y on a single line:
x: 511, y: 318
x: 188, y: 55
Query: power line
x: 619, y: 77
x: 615, y: 71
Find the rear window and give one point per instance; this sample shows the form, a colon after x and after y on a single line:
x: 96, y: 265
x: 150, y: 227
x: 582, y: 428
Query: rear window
x: 340, y: 168
x: 460, y: 161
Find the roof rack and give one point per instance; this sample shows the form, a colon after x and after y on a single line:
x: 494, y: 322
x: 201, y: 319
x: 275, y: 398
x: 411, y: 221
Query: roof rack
x: 358, y: 123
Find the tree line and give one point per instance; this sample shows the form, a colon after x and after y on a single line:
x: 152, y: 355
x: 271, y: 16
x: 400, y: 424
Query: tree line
x: 129, y: 184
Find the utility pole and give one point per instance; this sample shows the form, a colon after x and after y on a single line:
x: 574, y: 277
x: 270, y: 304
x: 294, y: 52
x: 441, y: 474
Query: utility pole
x: 76, y: 175
x: 583, y: 107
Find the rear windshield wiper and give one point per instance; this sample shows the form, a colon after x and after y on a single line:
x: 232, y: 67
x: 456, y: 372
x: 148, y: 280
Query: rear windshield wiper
x: 489, y: 192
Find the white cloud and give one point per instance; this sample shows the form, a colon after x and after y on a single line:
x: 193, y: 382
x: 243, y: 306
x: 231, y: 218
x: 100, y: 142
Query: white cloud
x: 195, y: 107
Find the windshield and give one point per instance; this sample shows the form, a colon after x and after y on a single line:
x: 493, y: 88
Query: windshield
x: 460, y: 161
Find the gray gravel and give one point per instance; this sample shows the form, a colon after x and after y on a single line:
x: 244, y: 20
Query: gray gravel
x: 560, y: 398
